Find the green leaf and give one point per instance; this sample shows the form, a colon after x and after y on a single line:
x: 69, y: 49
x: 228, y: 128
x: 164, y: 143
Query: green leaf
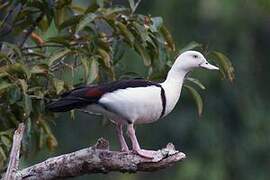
x: 63, y: 40
x: 6, y: 141
x: 14, y: 94
x: 100, y: 3
x: 3, y: 56
x: 157, y: 23
x: 40, y: 69
x: 128, y: 36
x: 86, y: 20
x: 3, y: 74
x: 36, y: 54
x: 3, y: 154
x: 58, y: 85
x: 197, y: 97
x: 17, y: 69
x: 8, y: 133
x: 41, y: 138
x: 224, y: 64
x: 27, y: 105
x: 52, y: 142
x: 94, y: 71
x: 131, y: 5
x: 4, y: 85
x: 118, y: 50
x: 92, y: 7
x: 109, y: 13
x: 196, y: 81
x: 24, y: 85
x: 79, y: 9
x: 29, y: 126
x: 190, y: 46
x: 14, y: 48
x: 143, y: 34
x: 106, y: 58
x: 71, y: 21
x: 168, y: 38
x: 44, y: 24
x: 85, y: 64
x: 143, y: 53
x: 58, y: 55
x: 104, y: 44
x: 61, y: 15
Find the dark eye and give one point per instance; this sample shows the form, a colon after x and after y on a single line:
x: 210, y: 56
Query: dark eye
x: 195, y: 56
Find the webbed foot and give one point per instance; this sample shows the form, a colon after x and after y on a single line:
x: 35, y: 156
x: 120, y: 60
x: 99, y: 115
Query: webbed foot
x: 149, y: 154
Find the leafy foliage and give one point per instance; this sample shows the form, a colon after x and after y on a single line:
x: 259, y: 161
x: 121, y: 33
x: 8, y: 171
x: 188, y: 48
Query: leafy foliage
x: 89, y: 43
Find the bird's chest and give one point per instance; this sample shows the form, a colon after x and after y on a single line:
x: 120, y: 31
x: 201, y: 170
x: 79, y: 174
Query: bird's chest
x: 172, y: 93
x: 150, y: 112
x: 145, y: 106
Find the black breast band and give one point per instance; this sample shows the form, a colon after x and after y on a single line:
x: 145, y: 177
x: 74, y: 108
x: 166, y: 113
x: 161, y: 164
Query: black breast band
x: 163, y: 100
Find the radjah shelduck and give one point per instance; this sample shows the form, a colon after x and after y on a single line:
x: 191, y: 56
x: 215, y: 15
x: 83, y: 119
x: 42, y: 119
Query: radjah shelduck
x: 130, y: 102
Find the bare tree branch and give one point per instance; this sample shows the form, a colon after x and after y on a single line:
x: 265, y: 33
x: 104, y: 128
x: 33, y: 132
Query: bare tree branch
x: 99, y: 159
x: 136, y: 5
x: 15, y: 153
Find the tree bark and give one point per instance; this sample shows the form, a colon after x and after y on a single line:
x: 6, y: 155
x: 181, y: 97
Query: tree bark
x: 13, y: 164
x: 99, y: 159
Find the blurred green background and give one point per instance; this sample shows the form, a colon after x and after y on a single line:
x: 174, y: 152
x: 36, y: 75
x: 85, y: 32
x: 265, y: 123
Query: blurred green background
x: 231, y: 140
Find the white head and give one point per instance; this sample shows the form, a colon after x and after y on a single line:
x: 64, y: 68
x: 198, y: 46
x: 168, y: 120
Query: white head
x: 190, y: 60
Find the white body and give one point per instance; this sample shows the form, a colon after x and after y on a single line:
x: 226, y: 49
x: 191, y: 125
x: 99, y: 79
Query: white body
x: 123, y: 104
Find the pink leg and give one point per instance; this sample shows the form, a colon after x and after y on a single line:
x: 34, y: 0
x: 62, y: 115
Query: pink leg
x: 135, y: 145
x: 121, y: 139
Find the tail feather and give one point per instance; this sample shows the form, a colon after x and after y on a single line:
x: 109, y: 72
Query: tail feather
x: 67, y: 104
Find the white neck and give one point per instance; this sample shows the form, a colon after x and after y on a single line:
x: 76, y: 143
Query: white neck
x: 172, y: 87
x: 175, y: 76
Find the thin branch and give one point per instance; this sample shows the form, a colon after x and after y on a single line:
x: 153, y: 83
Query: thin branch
x: 99, y: 159
x: 10, y: 26
x: 42, y: 46
x: 7, y: 16
x: 136, y: 5
x: 89, y: 112
x: 31, y: 29
x: 15, y: 153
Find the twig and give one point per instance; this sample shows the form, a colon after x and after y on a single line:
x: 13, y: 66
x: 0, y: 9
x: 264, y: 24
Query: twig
x: 15, y: 153
x: 7, y: 16
x: 136, y: 5
x: 8, y: 25
x: 31, y: 29
x: 41, y: 46
x: 99, y: 159
x: 89, y: 112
